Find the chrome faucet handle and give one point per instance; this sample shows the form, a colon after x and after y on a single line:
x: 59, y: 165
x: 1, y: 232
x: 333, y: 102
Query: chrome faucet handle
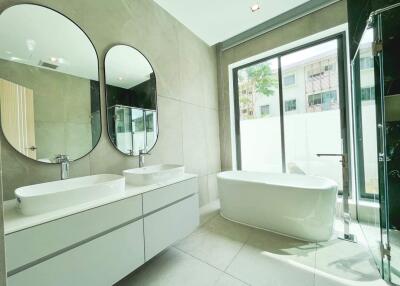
x: 61, y: 158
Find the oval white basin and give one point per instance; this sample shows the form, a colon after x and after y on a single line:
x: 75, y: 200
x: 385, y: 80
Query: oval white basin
x: 41, y: 198
x: 153, y: 174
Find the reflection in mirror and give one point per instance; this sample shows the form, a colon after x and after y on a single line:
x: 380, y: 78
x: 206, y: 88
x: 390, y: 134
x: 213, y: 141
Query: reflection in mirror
x: 49, y: 88
x: 131, y: 100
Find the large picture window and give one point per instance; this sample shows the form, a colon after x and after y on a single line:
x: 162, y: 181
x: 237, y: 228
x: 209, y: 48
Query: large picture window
x: 289, y: 111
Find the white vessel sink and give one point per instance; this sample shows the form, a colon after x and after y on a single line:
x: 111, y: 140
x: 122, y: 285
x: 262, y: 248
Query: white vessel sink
x: 41, y: 198
x: 153, y: 174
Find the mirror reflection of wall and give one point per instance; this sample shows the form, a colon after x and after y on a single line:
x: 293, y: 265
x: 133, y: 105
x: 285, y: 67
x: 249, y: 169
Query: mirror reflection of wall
x: 131, y: 100
x: 49, y: 86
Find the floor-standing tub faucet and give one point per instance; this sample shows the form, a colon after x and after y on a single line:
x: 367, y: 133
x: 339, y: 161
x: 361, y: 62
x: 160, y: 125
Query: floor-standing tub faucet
x: 63, y: 160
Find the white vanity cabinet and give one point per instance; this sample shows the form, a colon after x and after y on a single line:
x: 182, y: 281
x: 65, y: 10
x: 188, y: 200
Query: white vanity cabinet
x: 101, y: 245
x: 101, y: 262
x: 163, y: 227
x: 35, y: 243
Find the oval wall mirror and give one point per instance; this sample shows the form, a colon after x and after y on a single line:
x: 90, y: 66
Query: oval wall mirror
x: 49, y: 84
x: 131, y: 100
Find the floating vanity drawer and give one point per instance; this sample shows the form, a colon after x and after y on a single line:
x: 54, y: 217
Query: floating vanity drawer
x: 38, y: 242
x: 159, y: 198
x: 100, y: 262
x: 165, y: 227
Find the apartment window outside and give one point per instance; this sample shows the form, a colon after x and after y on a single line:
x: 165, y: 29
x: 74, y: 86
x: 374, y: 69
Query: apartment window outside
x: 366, y: 63
x: 290, y: 105
x: 323, y: 101
x: 367, y: 93
x: 264, y: 110
x: 289, y: 80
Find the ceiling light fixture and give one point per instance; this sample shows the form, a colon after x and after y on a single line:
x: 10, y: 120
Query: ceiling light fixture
x: 255, y: 7
x: 56, y: 60
x: 120, y: 78
x: 31, y: 44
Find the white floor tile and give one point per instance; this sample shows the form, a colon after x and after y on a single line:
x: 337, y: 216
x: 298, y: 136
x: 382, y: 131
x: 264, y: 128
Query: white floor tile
x: 346, y: 260
x: 217, y: 242
x: 325, y: 279
x: 173, y: 268
x: 257, y: 258
x: 226, y: 280
x: 273, y: 260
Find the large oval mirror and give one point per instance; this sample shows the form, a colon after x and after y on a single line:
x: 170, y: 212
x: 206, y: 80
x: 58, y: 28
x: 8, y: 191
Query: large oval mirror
x: 131, y: 100
x: 49, y: 84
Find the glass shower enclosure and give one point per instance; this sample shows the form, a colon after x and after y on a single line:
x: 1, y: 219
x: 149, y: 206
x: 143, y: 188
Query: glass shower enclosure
x: 376, y: 90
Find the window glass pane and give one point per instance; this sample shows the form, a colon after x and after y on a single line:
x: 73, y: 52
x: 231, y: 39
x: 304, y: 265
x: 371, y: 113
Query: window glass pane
x: 260, y: 128
x: 368, y: 116
x: 315, y: 125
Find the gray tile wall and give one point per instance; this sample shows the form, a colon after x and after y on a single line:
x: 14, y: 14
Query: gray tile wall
x: 331, y: 16
x: 61, y: 114
x: 186, y: 70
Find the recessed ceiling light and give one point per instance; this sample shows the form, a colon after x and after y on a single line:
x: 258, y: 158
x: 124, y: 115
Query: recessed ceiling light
x: 255, y: 7
x: 31, y: 44
x: 57, y: 60
x: 120, y: 78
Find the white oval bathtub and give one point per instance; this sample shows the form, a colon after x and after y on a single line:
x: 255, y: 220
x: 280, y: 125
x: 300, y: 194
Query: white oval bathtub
x: 294, y: 205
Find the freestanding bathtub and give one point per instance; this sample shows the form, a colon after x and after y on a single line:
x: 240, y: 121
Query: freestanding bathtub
x: 299, y: 206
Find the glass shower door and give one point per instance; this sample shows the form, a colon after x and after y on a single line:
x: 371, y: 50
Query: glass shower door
x: 366, y: 110
x: 387, y: 47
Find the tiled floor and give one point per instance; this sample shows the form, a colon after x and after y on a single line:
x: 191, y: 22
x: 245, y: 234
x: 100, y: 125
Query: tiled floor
x: 222, y: 253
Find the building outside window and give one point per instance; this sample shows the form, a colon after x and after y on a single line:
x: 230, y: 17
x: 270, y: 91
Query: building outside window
x: 289, y: 80
x: 290, y: 105
x: 323, y: 101
x: 264, y: 110
x: 367, y: 93
x: 366, y: 63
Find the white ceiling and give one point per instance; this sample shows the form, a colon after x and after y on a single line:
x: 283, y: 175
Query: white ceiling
x: 126, y: 67
x: 30, y: 34
x: 215, y: 21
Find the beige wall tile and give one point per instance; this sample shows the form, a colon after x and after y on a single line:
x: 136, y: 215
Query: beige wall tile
x: 194, y: 139
x: 185, y: 69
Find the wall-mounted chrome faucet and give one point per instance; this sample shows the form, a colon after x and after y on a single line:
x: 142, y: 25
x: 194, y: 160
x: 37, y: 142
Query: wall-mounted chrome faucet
x: 63, y: 160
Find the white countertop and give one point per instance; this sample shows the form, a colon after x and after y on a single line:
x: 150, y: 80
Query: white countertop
x: 15, y: 221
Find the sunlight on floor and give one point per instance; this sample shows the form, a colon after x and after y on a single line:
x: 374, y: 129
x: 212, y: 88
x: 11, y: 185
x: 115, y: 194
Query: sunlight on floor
x: 221, y: 252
